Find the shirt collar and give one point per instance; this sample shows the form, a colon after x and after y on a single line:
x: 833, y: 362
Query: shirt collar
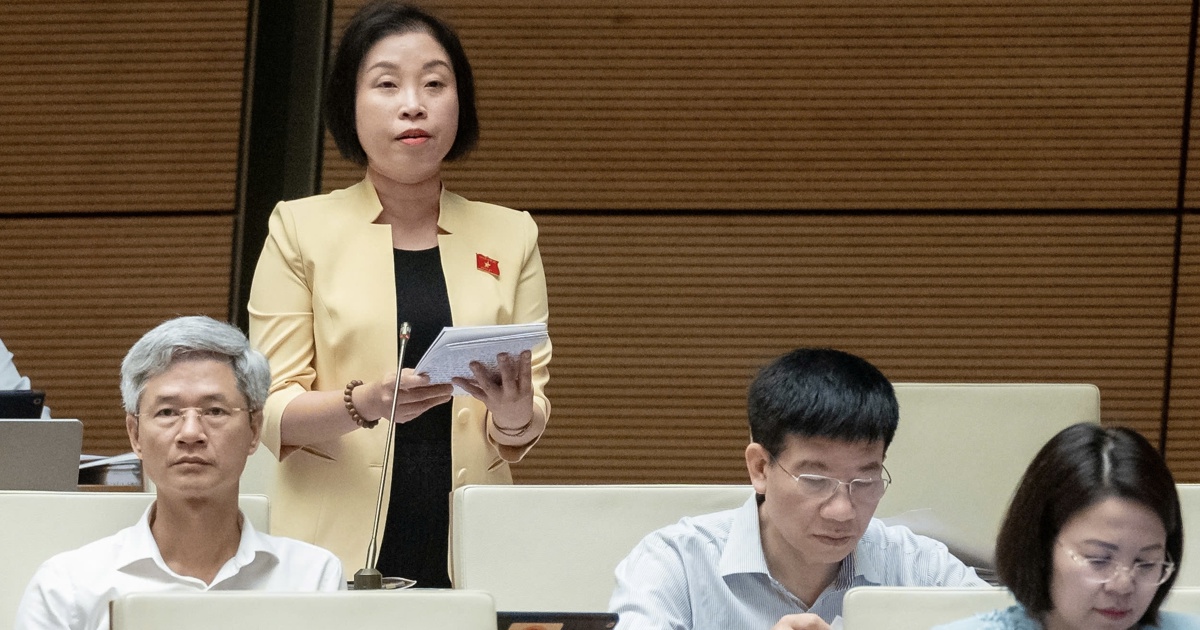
x: 744, y: 553
x: 249, y: 549
x: 864, y: 563
x: 142, y: 547
x: 743, y: 549
x: 140, y: 544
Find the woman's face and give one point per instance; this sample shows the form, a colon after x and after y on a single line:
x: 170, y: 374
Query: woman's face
x: 406, y: 107
x: 1115, y: 538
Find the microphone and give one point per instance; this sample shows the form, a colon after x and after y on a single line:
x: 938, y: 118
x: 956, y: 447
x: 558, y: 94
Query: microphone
x: 369, y: 578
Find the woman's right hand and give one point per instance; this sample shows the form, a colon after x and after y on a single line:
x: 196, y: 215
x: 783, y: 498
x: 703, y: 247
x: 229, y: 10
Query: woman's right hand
x: 414, y: 397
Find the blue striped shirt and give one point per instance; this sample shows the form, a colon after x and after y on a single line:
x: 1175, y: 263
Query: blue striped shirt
x: 709, y: 573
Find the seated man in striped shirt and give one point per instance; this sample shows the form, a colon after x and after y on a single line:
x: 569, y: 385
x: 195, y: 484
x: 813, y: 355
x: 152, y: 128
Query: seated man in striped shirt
x: 821, y: 422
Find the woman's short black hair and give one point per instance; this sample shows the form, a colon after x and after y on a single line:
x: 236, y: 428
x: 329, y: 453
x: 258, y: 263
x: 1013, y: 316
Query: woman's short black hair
x: 820, y: 392
x: 373, y: 22
x: 1081, y: 466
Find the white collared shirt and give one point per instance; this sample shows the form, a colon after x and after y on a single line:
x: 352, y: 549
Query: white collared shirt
x: 72, y: 590
x: 710, y: 573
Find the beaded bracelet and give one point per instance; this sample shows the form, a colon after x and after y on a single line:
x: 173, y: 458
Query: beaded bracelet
x: 513, y: 432
x: 354, y: 415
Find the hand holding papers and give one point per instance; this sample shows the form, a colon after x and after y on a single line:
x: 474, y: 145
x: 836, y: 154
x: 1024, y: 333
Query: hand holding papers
x: 455, y: 348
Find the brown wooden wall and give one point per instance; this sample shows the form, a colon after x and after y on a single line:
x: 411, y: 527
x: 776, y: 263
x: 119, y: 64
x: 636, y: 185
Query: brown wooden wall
x: 118, y: 157
x: 978, y: 192
x: 810, y: 104
x: 957, y: 191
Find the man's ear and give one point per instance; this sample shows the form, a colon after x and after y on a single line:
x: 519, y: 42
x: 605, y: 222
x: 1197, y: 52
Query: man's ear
x: 131, y: 428
x: 256, y: 426
x: 757, y: 462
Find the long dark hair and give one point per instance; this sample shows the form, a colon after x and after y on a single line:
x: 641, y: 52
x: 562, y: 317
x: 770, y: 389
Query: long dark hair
x: 1081, y: 466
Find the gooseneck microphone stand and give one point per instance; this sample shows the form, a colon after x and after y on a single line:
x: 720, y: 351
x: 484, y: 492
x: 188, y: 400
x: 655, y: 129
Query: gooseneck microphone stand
x: 369, y: 578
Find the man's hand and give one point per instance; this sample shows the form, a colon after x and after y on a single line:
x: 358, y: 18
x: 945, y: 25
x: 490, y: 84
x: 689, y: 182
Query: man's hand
x: 804, y: 621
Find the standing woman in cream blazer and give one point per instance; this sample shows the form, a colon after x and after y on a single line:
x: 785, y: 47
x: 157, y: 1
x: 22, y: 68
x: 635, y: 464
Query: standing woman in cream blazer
x: 340, y: 271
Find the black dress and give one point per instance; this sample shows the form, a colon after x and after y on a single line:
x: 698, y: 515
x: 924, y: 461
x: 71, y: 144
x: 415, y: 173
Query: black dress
x: 418, y: 518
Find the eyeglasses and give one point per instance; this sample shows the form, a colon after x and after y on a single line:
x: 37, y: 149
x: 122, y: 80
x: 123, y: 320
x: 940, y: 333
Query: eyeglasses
x: 822, y: 488
x: 1101, y: 570
x: 211, y: 416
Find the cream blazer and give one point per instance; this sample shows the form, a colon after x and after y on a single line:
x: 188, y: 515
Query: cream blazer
x: 323, y: 310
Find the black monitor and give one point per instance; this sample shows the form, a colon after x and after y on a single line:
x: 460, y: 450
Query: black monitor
x: 21, y: 404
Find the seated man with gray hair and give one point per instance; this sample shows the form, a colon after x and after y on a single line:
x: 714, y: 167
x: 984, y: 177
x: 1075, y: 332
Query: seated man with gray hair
x: 193, y: 391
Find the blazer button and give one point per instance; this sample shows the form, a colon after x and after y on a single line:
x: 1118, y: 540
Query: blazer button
x: 461, y: 478
x: 464, y: 416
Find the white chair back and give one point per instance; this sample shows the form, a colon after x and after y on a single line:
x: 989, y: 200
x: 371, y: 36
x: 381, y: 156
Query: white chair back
x: 1183, y: 599
x: 961, y: 449
x: 1189, y: 503
x: 37, y: 525
x: 554, y: 548
x: 919, y: 608
x: 259, y: 475
x: 246, y: 610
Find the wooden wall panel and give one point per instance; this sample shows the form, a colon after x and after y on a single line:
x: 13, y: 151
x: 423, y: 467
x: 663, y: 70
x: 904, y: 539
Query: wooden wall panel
x: 1183, y: 436
x: 644, y: 127
x: 78, y: 292
x: 783, y: 104
x: 128, y: 105
x: 660, y: 320
x: 109, y: 110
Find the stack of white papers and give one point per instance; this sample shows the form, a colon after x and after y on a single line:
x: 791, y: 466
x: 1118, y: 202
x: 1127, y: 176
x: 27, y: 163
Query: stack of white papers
x: 119, y: 470
x: 457, y: 346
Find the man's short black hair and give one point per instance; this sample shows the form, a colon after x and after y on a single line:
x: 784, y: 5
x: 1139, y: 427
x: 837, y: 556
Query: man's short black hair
x: 1081, y: 466
x: 821, y: 393
x: 373, y: 22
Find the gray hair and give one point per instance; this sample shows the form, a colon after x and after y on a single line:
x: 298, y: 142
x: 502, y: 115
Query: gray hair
x: 181, y: 337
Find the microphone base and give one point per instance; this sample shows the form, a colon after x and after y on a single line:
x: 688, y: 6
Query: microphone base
x: 368, y: 580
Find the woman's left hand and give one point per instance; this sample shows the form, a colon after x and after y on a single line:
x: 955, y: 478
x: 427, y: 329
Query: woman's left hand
x: 507, y: 391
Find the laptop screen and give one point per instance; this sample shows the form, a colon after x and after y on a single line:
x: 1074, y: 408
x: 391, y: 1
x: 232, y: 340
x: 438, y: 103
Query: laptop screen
x: 40, y: 454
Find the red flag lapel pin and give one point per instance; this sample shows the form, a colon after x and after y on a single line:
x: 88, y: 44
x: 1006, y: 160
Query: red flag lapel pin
x: 488, y: 265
